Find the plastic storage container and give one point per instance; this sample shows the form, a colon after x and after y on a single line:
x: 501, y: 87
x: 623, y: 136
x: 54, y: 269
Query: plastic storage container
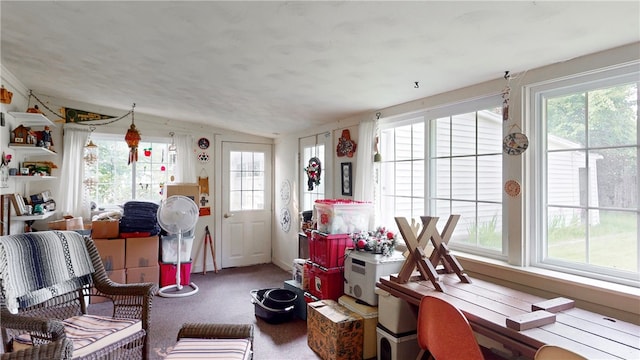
x: 274, y: 305
x: 326, y: 283
x: 328, y: 250
x: 392, y: 347
x: 343, y: 216
x: 168, y: 273
x: 170, y: 247
x: 395, y: 314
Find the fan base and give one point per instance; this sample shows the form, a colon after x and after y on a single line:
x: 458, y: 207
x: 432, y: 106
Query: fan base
x: 164, y: 291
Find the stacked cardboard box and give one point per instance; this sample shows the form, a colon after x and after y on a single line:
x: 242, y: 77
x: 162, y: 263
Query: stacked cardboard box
x: 112, y: 253
x: 141, y: 260
x: 333, y: 331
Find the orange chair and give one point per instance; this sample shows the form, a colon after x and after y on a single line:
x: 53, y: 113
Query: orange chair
x: 552, y: 352
x: 444, y: 332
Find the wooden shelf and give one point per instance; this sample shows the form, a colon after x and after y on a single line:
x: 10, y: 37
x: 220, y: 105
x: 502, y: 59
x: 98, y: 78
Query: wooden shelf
x: 31, y: 119
x: 25, y: 178
x: 31, y: 149
x: 46, y: 215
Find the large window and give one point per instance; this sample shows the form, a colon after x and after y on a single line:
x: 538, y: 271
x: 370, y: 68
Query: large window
x: 447, y: 162
x: 588, y: 160
x: 109, y: 180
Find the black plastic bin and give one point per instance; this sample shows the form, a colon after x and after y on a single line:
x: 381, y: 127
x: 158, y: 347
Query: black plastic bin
x: 274, y: 305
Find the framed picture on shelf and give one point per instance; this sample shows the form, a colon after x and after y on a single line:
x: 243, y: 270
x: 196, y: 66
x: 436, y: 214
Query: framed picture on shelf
x: 347, y: 188
x: 5, y: 214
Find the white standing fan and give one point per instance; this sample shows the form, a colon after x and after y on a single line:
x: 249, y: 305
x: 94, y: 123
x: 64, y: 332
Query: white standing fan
x: 177, y: 214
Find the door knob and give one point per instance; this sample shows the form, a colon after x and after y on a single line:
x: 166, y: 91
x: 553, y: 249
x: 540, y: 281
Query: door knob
x: 227, y: 215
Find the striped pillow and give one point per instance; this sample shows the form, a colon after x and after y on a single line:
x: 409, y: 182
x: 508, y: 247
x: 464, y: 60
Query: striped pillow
x: 230, y: 349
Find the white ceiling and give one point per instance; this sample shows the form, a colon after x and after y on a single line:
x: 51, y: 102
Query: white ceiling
x: 272, y: 68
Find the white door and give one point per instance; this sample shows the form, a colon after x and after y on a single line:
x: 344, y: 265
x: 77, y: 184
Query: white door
x: 246, y: 204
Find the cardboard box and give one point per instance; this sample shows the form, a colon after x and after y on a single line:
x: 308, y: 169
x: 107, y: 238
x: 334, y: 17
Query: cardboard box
x: 370, y: 316
x: 143, y: 274
x: 118, y: 276
x: 141, y: 252
x: 111, y: 252
x: 105, y: 229
x: 191, y: 191
x: 333, y: 331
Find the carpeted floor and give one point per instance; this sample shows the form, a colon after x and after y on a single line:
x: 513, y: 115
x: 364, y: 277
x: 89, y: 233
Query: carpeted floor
x: 225, y: 298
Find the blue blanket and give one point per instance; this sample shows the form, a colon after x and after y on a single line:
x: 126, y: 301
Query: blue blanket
x: 35, y: 267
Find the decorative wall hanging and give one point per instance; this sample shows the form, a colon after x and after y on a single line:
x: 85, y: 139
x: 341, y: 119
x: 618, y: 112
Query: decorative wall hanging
x: 5, y: 214
x: 314, y: 171
x: 346, y: 179
x: 203, y: 157
x: 512, y: 188
x: 203, y: 181
x: 203, y: 143
x: 132, y: 137
x: 5, y: 95
x: 285, y: 219
x: 515, y: 143
x: 75, y: 116
x: 346, y: 146
x: 285, y: 192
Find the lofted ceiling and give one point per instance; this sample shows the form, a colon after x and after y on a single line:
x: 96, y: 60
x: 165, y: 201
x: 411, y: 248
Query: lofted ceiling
x: 272, y: 68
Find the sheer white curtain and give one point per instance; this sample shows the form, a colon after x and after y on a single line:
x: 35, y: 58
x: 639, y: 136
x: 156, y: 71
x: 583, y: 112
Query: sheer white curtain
x: 185, y: 160
x: 71, y: 199
x: 364, y: 179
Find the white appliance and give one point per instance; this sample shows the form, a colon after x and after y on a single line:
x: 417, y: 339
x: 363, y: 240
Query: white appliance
x: 363, y: 269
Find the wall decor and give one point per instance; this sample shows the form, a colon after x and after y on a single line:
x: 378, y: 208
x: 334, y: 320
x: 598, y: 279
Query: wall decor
x: 75, y: 116
x: 285, y: 219
x: 512, y: 188
x: 285, y: 192
x: 515, y: 143
x: 314, y: 171
x: 346, y: 146
x: 203, y: 143
x: 347, y: 184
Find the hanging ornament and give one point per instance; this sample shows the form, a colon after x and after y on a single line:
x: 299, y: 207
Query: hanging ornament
x: 147, y: 152
x: 515, y: 143
x: 163, y: 168
x: 346, y: 146
x: 132, y: 137
x: 314, y: 170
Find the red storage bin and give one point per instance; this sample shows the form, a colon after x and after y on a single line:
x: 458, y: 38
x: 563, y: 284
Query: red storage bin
x: 168, y: 274
x: 326, y: 283
x: 327, y: 250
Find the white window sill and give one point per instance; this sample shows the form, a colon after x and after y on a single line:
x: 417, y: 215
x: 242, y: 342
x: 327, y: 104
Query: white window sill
x: 613, y: 300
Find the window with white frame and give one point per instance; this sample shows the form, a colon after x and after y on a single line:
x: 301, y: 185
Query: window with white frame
x: 312, y: 151
x: 587, y: 210
x: 443, y: 162
x: 109, y: 180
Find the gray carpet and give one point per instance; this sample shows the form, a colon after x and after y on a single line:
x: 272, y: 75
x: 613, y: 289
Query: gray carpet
x: 225, y: 298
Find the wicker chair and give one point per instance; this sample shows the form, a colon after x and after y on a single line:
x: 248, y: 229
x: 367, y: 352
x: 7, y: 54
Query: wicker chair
x: 41, y: 316
x: 58, y: 350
